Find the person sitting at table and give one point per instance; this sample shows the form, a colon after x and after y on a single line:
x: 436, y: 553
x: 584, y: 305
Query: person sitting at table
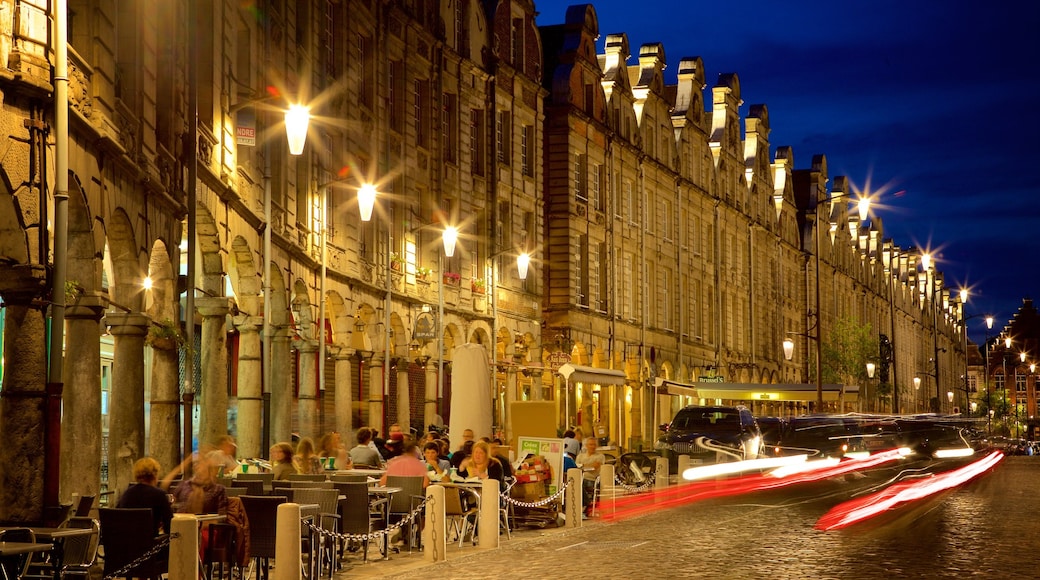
x: 201, y: 494
x: 282, y: 461
x: 306, y: 459
x: 480, y: 464
x: 223, y: 455
x: 407, y: 464
x: 497, y: 453
x: 439, y: 469
x: 461, y: 454
x: 333, y: 455
x: 362, y: 455
x: 589, y: 460
x: 146, y: 494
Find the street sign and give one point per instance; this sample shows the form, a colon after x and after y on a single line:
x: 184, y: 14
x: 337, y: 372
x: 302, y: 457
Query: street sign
x: 557, y: 360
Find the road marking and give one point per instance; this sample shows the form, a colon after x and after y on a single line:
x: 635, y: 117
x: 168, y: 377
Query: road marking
x: 571, y: 546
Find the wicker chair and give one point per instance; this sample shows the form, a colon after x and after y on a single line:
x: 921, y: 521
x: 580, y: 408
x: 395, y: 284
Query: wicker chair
x: 126, y: 535
x: 262, y: 512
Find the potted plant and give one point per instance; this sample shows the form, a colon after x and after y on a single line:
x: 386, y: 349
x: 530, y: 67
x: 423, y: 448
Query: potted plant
x: 478, y: 285
x: 165, y: 335
x: 452, y: 278
x: 396, y: 262
x: 423, y: 273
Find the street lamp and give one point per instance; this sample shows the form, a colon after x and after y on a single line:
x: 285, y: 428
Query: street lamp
x: 523, y: 262
x: 917, y: 392
x: 926, y: 264
x: 989, y: 400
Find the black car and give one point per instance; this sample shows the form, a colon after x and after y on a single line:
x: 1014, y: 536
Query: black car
x: 710, y: 435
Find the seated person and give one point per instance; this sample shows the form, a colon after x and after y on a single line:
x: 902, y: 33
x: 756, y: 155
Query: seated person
x: 589, y: 460
x: 223, y: 455
x: 146, y: 494
x: 407, y: 464
x: 481, y: 465
x: 282, y: 461
x: 201, y: 494
x: 363, y: 454
x: 439, y: 469
x: 497, y: 453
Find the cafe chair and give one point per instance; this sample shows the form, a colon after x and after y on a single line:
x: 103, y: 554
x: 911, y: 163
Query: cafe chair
x: 17, y: 566
x: 356, y: 517
x: 348, y: 478
x: 328, y: 520
x: 403, y: 502
x: 126, y: 535
x: 262, y: 512
x: 221, y: 550
x: 252, y: 486
x: 306, y: 477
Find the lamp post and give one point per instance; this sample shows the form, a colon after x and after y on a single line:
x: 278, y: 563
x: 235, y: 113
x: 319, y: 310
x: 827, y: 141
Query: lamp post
x: 523, y: 262
x: 989, y: 400
x: 926, y: 263
x: 917, y: 393
x: 863, y: 207
x: 1003, y: 362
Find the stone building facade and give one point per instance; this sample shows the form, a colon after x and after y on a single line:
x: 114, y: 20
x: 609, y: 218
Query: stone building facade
x: 668, y: 241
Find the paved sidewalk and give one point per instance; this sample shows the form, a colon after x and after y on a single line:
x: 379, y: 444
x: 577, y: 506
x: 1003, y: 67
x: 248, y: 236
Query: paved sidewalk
x: 415, y: 565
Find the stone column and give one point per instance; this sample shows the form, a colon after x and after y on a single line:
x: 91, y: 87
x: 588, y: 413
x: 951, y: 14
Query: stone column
x: 308, y: 393
x: 126, y: 405
x: 537, y: 386
x: 507, y: 412
x: 375, y: 394
x: 213, y: 406
x: 281, y: 385
x: 23, y: 395
x: 81, y: 399
x: 344, y: 396
x: 430, y: 408
x: 250, y: 383
x: 636, y: 414
x: 404, y: 396
x: 164, y: 427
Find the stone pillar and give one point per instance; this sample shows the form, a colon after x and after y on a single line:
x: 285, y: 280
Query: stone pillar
x: 636, y: 414
x: 307, y: 403
x: 213, y: 405
x: 430, y: 408
x: 164, y: 427
x: 375, y: 394
x: 250, y: 383
x: 344, y: 396
x: 281, y: 385
x: 126, y: 406
x: 23, y: 395
x: 507, y: 412
x: 537, y: 386
x: 81, y: 430
x: 404, y: 396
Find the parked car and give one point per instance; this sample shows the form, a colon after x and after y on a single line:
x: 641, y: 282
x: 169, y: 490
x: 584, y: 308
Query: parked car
x: 821, y: 436
x: 710, y: 434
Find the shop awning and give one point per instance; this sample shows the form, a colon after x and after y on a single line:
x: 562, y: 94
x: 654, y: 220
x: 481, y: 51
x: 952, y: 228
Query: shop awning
x: 756, y: 391
x: 591, y: 375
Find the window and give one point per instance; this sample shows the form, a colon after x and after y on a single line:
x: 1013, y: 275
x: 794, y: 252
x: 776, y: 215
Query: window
x: 396, y: 98
x: 665, y: 215
x: 363, y: 56
x: 604, y: 277
x: 450, y: 127
x: 581, y: 177
x: 526, y: 155
x: 596, y: 188
x: 631, y: 206
x: 420, y: 105
x: 476, y: 141
x: 1020, y: 382
x: 517, y: 47
x: 582, y: 272
x: 503, y: 136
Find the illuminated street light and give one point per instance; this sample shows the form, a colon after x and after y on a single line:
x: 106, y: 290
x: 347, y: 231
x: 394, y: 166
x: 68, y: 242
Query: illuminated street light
x: 297, y: 119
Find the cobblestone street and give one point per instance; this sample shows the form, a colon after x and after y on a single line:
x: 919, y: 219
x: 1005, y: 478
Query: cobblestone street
x: 974, y: 530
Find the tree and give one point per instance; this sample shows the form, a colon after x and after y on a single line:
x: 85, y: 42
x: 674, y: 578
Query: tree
x: 845, y: 353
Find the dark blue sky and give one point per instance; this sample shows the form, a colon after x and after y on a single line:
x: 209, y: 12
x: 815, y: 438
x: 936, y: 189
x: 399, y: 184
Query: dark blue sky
x: 935, y: 103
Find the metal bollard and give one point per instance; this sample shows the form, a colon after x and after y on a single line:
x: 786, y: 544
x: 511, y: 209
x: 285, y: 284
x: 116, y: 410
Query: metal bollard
x: 661, y: 473
x: 288, y: 551
x: 572, y: 499
x: 606, y: 488
x: 684, y: 464
x: 435, y: 533
x: 184, y: 547
x: 488, y: 528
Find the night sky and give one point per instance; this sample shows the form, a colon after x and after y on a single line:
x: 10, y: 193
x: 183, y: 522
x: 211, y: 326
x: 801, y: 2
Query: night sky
x: 934, y: 105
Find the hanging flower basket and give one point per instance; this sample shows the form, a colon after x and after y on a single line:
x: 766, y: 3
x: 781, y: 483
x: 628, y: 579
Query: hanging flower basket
x: 164, y: 335
x: 423, y: 273
x: 478, y: 285
x: 452, y: 278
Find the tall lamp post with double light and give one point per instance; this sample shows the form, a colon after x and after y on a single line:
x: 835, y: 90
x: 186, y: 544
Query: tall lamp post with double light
x: 863, y: 206
x: 523, y: 263
x: 927, y: 265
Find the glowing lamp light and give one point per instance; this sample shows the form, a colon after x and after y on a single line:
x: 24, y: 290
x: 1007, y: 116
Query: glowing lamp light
x: 1007, y: 342
x: 788, y: 348
x: 864, y: 207
x: 523, y: 261
x: 926, y: 261
x: 297, y: 118
x: 917, y: 382
x: 1022, y: 356
x: 366, y: 200
x: 964, y: 294
x: 147, y: 283
x: 870, y: 370
x: 450, y: 236
x: 989, y: 322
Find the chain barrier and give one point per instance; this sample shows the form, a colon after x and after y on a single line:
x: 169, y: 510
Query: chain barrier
x: 387, y: 531
x: 163, y: 542
x: 540, y: 502
x: 635, y: 488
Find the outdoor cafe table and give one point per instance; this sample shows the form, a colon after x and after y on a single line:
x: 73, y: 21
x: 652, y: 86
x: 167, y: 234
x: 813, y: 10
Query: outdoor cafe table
x: 54, y: 540
x: 369, y: 472
x: 10, y: 549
